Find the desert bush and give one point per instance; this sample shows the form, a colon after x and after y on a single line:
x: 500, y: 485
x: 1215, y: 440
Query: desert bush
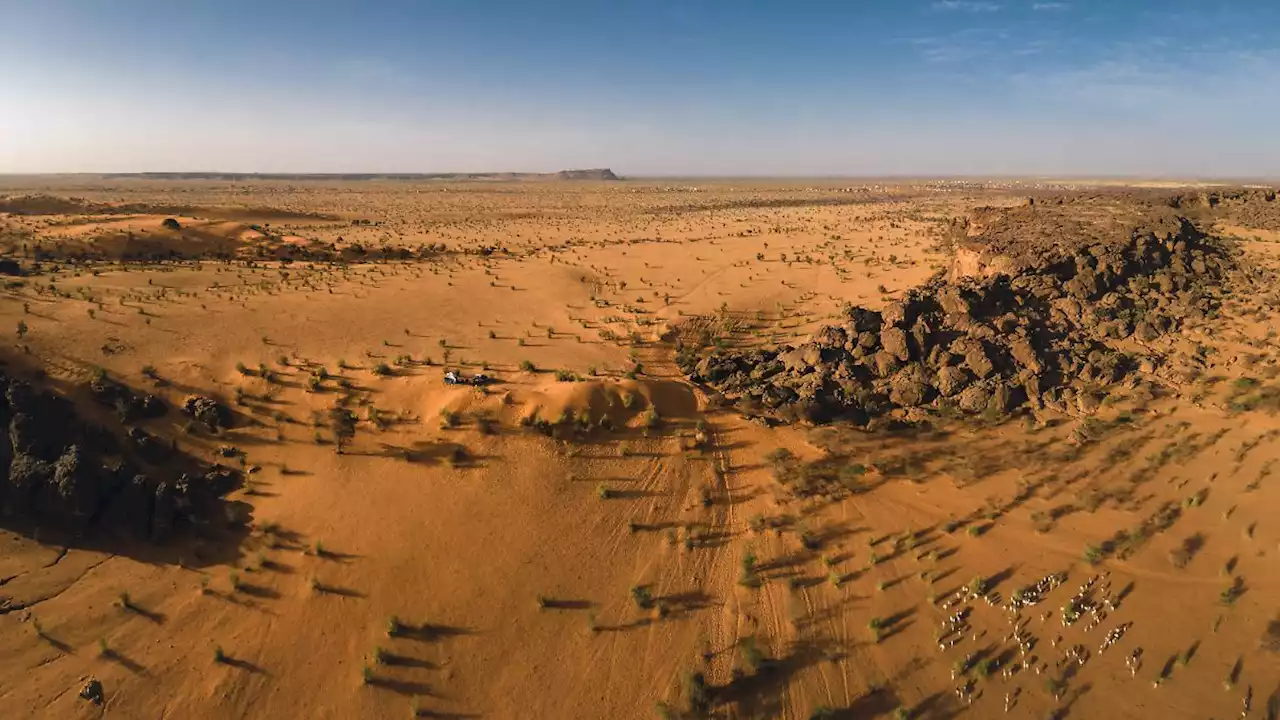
x: 642, y: 596
x: 343, y: 423
x: 752, y: 654
x: 1232, y: 592
x: 1093, y: 554
x: 979, y: 586
x: 457, y: 456
x: 1182, y: 555
x: 698, y: 695
x: 749, y: 577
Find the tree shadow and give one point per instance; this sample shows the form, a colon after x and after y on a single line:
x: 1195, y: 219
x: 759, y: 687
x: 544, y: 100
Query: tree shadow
x: 257, y: 591
x: 155, y: 617
x: 125, y: 662
x: 896, y: 629
x: 761, y: 694
x: 633, y: 494
x: 878, y: 702
x: 276, y: 566
x: 56, y: 643
x: 244, y: 665
x: 429, y: 632
x: 444, y: 714
x: 556, y: 604
x: 994, y: 581
x: 397, y: 660
x: 1124, y: 593
x: 337, y: 590
x: 401, y: 687
x: 938, y: 706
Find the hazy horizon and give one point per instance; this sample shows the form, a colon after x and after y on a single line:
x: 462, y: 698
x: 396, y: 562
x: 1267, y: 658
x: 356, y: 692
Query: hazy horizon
x: 429, y: 174
x: 921, y: 88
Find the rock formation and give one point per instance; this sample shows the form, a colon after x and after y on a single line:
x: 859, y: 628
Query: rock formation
x: 59, y: 470
x: 1031, y: 312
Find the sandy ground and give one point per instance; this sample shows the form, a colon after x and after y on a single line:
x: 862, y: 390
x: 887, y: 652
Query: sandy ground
x: 547, y: 577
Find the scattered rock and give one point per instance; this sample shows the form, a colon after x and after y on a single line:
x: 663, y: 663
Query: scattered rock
x: 93, y: 691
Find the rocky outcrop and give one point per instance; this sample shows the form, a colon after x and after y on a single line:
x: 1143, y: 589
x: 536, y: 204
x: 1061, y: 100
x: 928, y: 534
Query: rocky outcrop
x: 1020, y: 320
x: 58, y: 470
x: 592, y: 174
x: 211, y: 413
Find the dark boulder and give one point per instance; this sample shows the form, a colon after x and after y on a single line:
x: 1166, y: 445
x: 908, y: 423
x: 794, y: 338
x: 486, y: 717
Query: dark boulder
x: 894, y: 341
x: 211, y: 413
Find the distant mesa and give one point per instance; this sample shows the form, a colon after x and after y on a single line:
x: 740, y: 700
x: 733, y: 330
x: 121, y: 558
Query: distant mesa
x: 593, y: 174
x: 597, y: 174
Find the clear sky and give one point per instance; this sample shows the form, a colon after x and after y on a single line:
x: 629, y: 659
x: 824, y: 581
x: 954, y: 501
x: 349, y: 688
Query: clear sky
x: 646, y: 87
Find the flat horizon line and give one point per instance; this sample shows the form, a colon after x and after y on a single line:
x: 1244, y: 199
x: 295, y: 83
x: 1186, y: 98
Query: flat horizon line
x: 198, y: 175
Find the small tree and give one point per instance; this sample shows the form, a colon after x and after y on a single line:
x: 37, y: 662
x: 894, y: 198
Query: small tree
x: 343, y: 423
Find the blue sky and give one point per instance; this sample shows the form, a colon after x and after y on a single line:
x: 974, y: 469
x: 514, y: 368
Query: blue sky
x: 717, y: 87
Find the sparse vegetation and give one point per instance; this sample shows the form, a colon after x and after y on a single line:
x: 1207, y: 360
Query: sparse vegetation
x: 929, y: 435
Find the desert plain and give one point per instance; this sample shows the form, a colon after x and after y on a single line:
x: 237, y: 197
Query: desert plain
x: 746, y: 448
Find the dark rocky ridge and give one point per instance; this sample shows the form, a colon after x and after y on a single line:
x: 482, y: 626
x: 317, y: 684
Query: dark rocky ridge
x: 62, y: 472
x: 1042, y: 307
